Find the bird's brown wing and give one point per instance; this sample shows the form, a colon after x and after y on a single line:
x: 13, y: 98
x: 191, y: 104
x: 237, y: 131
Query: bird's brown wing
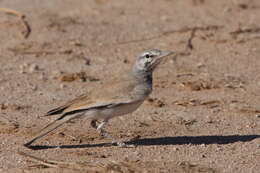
x: 60, y: 109
x: 114, y: 93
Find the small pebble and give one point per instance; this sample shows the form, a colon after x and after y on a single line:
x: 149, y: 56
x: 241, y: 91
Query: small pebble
x: 21, y: 71
x: 257, y: 116
x: 41, y: 77
x: 175, y: 149
x: 62, y: 86
x: 34, y: 88
x: 33, y: 68
x: 201, y: 65
x: 164, y: 18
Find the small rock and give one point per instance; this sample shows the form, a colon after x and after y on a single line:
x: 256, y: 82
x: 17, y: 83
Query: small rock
x: 227, y: 9
x: 87, y: 61
x: 42, y: 77
x: 155, y: 102
x: 33, y: 68
x: 164, y: 18
x: 257, y: 116
x: 34, y: 88
x: 243, y: 6
x: 175, y: 149
x: 201, y: 65
x: 62, y: 86
x: 22, y: 71
x: 24, y: 65
x: 125, y: 61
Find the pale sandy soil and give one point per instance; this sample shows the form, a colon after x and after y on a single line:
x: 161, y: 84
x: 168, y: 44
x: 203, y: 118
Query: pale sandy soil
x: 204, y: 113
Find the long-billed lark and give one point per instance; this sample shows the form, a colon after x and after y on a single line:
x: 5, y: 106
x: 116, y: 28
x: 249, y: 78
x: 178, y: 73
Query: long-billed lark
x: 114, y: 99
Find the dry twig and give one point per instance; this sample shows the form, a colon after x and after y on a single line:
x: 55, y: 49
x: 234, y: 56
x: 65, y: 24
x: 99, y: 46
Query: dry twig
x: 85, y: 166
x: 240, y: 31
x: 27, y: 29
x: 181, y: 30
x: 192, y: 35
x: 41, y: 161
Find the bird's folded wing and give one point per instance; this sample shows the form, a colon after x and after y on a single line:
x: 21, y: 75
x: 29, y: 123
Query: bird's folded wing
x: 85, y: 103
x: 114, y: 94
x: 102, y: 102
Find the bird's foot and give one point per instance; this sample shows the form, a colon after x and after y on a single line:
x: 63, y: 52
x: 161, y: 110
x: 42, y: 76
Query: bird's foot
x: 122, y: 144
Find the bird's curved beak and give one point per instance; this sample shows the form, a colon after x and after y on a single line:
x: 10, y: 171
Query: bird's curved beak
x: 159, y: 58
x: 166, y: 53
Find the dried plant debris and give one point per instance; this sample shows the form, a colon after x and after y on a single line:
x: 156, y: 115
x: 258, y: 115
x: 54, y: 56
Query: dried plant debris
x: 102, y: 167
x: 60, y: 23
x: 197, y: 28
x: 40, y: 52
x: 191, y: 102
x: 181, y: 30
x: 243, y: 6
x: 246, y: 6
x: 187, y: 74
x: 249, y: 110
x: 197, y: 102
x: 26, y: 27
x: 155, y: 102
x: 189, y: 167
x: 12, y: 107
x: 239, y: 31
x: 189, y: 43
x: 7, y: 126
x: 230, y: 82
x: 32, y: 48
x: 233, y: 82
x: 188, y: 122
x: 198, y: 2
x: 212, y: 103
x: 82, y: 76
x: 40, y: 49
x: 200, y: 84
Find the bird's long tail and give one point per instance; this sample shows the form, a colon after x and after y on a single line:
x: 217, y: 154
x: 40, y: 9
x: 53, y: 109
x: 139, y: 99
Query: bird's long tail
x: 50, y: 127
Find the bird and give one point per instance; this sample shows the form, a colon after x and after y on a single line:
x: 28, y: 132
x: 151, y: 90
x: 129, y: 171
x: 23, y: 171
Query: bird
x: 115, y: 98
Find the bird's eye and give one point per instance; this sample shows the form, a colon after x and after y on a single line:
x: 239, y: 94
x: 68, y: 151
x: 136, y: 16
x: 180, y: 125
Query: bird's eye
x: 147, y: 56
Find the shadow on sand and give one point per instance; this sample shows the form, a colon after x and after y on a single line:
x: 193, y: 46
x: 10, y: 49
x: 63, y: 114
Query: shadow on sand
x: 178, y: 140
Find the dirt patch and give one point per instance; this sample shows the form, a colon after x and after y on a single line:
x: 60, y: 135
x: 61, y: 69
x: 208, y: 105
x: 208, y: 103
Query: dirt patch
x: 203, y: 115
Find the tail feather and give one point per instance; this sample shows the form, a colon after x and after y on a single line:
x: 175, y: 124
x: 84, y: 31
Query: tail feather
x: 55, y: 111
x: 49, y: 128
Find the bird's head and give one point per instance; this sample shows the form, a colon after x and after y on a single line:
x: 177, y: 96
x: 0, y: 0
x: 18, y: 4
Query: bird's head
x: 149, y: 60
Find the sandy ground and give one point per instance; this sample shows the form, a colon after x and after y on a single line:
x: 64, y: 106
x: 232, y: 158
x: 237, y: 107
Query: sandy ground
x: 204, y: 112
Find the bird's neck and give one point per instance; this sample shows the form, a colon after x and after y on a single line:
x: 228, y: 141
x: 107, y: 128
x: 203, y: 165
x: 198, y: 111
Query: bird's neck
x: 143, y: 76
x: 144, y: 83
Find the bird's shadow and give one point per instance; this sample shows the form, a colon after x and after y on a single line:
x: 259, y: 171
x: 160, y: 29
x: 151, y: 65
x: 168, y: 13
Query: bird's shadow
x: 178, y: 140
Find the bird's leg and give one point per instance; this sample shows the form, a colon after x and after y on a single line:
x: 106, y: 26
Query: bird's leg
x: 102, y: 132
x: 93, y: 124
